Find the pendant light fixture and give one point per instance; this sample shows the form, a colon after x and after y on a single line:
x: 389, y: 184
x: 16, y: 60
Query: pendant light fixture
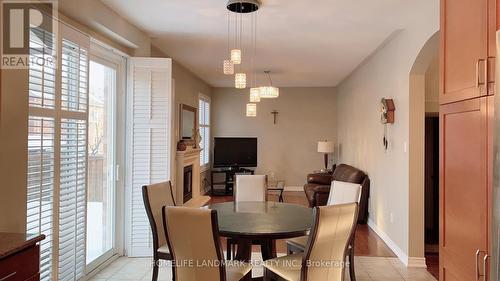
x: 228, y: 64
x: 269, y: 92
x: 240, y: 81
x: 251, y: 110
x: 254, y: 90
x: 254, y: 95
x: 239, y: 8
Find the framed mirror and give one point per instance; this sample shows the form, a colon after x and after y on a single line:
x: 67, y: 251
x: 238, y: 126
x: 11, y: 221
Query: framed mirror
x: 188, y: 124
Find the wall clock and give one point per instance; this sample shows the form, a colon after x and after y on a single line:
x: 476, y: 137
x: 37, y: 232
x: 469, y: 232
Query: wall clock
x: 387, y: 111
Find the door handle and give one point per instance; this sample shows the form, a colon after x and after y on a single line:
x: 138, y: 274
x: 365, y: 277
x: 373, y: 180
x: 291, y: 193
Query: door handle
x: 478, y: 75
x: 485, y: 267
x: 8, y: 276
x: 478, y: 274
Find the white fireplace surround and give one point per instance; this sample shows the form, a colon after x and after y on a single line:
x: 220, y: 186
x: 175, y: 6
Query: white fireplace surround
x: 189, y: 157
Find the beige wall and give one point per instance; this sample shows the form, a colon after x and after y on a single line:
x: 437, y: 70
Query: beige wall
x: 13, y: 151
x: 432, y: 86
x: 384, y: 74
x: 187, y: 88
x: 306, y: 115
x: 104, y: 24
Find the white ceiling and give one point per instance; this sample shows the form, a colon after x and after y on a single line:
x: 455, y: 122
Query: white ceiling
x: 303, y: 42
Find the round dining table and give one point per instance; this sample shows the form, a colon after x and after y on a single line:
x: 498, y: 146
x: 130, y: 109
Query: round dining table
x: 261, y: 223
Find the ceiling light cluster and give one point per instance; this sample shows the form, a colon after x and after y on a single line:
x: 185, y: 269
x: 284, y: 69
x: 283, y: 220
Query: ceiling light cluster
x: 236, y: 62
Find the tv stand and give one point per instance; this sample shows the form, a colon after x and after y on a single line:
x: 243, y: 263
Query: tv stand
x: 229, y: 179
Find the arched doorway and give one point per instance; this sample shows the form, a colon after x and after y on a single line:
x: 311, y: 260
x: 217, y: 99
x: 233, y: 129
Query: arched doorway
x: 424, y: 89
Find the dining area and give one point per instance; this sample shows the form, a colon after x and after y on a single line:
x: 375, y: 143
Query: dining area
x: 320, y: 240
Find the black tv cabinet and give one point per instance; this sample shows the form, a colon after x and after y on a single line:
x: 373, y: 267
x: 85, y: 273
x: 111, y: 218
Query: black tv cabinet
x: 229, y: 178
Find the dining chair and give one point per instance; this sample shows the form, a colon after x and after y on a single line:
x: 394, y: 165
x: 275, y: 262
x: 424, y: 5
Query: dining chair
x: 193, y: 237
x: 155, y: 196
x: 325, y: 251
x: 340, y: 193
x: 248, y: 188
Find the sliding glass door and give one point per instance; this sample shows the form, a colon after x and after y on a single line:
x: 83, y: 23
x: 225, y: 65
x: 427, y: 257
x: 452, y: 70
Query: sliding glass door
x: 102, y: 194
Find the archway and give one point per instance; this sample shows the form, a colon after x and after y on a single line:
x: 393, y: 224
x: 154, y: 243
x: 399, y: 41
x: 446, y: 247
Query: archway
x: 416, y: 240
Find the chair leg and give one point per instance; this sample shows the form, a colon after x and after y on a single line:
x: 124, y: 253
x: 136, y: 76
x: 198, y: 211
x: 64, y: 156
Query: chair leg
x: 289, y: 249
x: 173, y: 271
x: 281, y: 197
x: 352, y: 274
x: 229, y: 245
x: 233, y: 250
x: 155, y: 269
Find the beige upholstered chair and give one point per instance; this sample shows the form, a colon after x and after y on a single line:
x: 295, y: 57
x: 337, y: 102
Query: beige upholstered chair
x: 250, y: 188
x: 340, y: 193
x: 326, y: 248
x: 156, y: 196
x: 193, y: 237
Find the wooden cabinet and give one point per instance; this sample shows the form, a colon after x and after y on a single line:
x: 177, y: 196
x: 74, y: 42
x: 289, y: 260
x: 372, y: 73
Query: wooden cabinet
x: 464, y: 188
x: 467, y: 49
x: 19, y: 257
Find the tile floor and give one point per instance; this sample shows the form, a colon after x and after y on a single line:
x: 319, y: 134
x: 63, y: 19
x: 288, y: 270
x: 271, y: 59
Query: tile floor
x: 367, y: 269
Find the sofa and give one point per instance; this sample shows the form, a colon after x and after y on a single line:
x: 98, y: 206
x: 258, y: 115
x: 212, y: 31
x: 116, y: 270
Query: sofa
x: 318, y: 185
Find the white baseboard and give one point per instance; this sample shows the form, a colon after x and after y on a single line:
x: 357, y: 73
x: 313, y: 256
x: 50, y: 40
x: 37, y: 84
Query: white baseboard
x: 403, y: 257
x: 294, y: 188
x: 416, y: 262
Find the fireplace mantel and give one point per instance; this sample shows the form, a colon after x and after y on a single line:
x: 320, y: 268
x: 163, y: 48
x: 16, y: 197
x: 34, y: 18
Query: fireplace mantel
x: 189, y: 157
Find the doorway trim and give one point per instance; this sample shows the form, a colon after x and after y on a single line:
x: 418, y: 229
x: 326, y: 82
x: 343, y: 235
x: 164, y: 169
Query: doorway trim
x: 104, y: 54
x: 416, y: 195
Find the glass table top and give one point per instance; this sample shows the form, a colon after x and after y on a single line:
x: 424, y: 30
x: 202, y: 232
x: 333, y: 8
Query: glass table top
x: 271, y: 220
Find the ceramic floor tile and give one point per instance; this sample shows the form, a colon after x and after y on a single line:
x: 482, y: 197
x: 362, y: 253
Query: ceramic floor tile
x: 367, y: 269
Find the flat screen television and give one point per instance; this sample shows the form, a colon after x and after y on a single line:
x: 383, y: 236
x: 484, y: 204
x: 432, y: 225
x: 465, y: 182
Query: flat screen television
x: 235, y: 152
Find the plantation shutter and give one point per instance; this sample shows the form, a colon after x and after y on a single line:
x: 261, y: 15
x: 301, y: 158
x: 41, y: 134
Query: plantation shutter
x: 149, y: 140
x: 57, y: 156
x: 41, y: 147
x: 74, y: 63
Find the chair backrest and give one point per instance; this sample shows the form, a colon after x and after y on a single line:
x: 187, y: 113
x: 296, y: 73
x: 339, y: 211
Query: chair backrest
x: 332, y: 229
x: 250, y: 188
x: 155, y: 196
x: 193, y: 236
x: 344, y: 193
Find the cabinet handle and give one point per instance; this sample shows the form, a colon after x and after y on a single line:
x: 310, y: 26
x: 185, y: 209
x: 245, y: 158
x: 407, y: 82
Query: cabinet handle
x: 478, y: 75
x: 8, y: 276
x: 485, y: 268
x: 478, y: 274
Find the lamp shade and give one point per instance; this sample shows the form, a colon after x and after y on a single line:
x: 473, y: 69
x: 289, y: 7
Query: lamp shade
x: 254, y: 94
x: 240, y: 81
x: 326, y: 146
x: 236, y: 56
x: 251, y: 110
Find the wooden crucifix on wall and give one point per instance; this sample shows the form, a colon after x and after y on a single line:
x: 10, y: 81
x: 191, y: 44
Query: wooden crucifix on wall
x: 275, y: 114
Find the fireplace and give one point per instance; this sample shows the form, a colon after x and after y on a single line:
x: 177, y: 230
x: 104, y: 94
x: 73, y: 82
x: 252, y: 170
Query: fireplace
x: 188, y: 183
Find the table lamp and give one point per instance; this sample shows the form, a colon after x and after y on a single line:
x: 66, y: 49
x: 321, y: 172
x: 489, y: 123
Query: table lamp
x: 326, y: 147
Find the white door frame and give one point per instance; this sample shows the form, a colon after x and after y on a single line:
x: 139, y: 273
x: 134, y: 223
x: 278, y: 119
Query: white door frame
x: 103, y: 54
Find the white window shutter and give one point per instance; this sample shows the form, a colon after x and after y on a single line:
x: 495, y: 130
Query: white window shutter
x: 74, y: 63
x: 57, y: 151
x: 149, y: 142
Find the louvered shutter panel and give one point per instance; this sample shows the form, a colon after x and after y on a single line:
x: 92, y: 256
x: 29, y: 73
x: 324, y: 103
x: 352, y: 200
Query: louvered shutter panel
x: 149, y: 135
x: 41, y: 187
x: 57, y: 151
x: 73, y: 154
x: 41, y: 147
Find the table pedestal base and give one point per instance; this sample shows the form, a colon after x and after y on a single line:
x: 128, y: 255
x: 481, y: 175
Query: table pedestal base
x: 244, y: 250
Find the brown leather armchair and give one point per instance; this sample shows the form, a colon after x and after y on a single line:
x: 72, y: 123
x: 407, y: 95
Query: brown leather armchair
x: 318, y: 185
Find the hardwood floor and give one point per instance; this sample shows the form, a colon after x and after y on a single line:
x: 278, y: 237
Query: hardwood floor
x: 432, y: 261
x: 367, y: 242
